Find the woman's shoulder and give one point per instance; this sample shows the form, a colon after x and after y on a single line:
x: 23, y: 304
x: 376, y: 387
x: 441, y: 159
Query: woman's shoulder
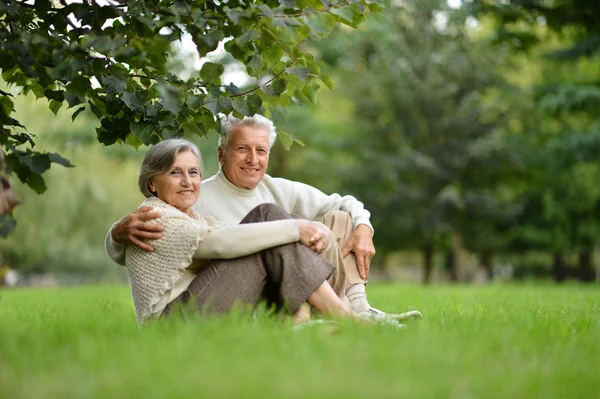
x: 164, y: 208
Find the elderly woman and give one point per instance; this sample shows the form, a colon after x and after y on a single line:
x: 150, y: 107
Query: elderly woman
x: 203, y: 261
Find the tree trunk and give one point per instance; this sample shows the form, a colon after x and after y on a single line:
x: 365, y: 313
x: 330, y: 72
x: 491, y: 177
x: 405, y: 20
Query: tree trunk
x: 586, y: 268
x: 559, y: 271
x: 487, y: 264
x: 451, y: 265
x: 427, y: 262
x: 454, y: 258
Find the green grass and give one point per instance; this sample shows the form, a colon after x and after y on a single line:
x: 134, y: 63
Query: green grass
x: 515, y: 341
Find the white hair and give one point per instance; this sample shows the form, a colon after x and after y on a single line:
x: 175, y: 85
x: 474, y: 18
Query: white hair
x: 232, y: 123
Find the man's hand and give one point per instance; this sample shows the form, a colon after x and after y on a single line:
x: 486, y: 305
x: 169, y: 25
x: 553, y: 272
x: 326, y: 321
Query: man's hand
x: 312, y: 235
x: 132, y: 229
x: 361, y: 243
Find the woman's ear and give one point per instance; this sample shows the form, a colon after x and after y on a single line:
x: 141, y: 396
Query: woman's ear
x: 151, y: 187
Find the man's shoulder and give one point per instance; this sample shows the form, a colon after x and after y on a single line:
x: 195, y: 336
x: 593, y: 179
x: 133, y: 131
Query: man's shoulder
x: 209, y: 181
x: 278, y: 181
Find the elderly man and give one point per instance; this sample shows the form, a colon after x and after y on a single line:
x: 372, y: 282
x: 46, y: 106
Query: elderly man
x: 242, y: 184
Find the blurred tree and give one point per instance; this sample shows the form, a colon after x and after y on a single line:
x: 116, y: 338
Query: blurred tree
x: 112, y: 58
x: 429, y: 103
x: 563, y: 205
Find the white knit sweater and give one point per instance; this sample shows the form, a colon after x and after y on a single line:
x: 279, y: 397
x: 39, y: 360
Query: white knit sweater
x: 152, y: 274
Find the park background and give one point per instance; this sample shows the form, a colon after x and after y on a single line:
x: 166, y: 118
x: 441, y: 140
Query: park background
x: 471, y: 132
x: 474, y: 143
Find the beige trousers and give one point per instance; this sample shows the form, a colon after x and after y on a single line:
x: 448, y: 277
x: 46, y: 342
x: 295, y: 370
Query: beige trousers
x: 345, y: 274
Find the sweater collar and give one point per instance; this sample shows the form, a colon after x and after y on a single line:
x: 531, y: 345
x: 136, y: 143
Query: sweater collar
x: 224, y: 182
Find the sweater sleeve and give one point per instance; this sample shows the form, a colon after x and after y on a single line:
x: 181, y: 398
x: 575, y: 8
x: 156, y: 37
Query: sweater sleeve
x: 311, y: 203
x: 113, y: 249
x: 245, y: 239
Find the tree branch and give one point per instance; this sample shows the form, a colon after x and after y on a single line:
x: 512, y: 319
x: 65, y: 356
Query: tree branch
x: 301, y: 14
x: 268, y: 81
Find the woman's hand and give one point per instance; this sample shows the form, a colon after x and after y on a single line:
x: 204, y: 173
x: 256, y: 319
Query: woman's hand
x: 314, y: 235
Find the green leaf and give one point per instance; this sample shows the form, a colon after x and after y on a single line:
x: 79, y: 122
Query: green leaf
x: 7, y: 224
x: 132, y: 101
x: 170, y: 97
x: 96, y: 110
x: 275, y: 88
x: 38, y: 91
x: 284, y: 139
x: 254, y: 102
x: 76, y: 113
x: 133, y: 140
x: 7, y: 104
x: 321, y: 24
x: 212, y: 104
x: 211, y: 72
x: 73, y: 99
x: 255, y: 66
x: 37, y: 163
x: 265, y: 10
x: 350, y: 14
x: 247, y: 106
x: 233, y: 89
x: 327, y: 80
x: 310, y: 92
x: 272, y: 53
x: 301, y: 73
x: 143, y: 130
x: 59, y: 159
x: 239, y: 104
x: 55, y: 106
x: 288, y: 3
x: 225, y: 103
x: 37, y: 183
x: 114, y: 84
x: 297, y: 140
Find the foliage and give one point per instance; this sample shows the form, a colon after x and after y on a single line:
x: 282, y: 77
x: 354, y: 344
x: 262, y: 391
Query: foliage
x: 432, y: 102
x: 562, y: 202
x: 63, y: 230
x: 111, y: 58
x: 486, y: 342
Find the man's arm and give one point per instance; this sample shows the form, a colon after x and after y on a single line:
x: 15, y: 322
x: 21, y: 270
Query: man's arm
x: 311, y: 203
x: 132, y: 229
x: 361, y: 243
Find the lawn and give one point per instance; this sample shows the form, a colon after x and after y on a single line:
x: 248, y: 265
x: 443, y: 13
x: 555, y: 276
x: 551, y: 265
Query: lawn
x: 498, y: 341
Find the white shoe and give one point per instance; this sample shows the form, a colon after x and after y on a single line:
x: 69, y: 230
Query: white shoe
x: 379, y: 316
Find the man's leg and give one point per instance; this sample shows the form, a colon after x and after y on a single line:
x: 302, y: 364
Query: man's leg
x: 340, y: 223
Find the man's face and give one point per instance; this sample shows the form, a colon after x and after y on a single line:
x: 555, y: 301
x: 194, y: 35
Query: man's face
x: 247, y: 156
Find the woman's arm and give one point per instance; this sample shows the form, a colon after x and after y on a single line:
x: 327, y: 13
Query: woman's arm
x: 245, y: 239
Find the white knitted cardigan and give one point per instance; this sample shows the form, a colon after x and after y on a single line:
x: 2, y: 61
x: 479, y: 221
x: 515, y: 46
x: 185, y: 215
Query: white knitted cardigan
x: 152, y: 274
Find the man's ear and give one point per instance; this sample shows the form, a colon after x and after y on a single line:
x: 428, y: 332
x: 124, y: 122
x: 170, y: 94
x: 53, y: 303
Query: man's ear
x: 221, y: 154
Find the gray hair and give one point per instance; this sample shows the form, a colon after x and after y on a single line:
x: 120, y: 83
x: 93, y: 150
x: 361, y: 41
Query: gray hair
x: 159, y: 159
x: 230, y: 124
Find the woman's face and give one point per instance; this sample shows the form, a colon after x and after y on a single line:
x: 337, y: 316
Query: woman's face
x: 180, y: 185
